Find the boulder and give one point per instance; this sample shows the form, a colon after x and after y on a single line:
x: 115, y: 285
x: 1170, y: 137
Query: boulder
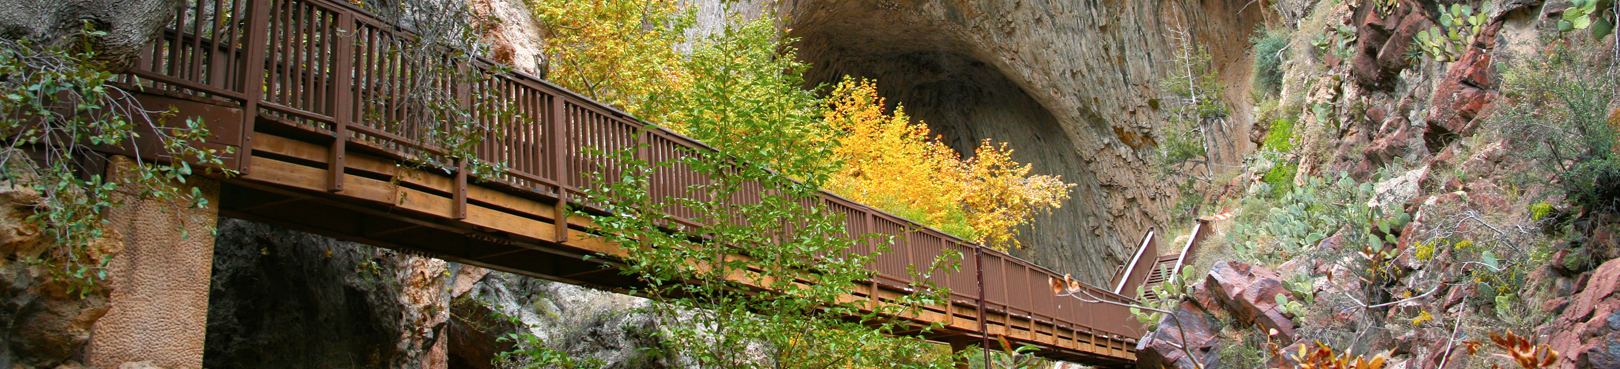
x: 1387, y: 147
x: 1189, y: 329
x: 1464, y: 92
x: 1250, y: 294
x: 1396, y: 191
x: 1382, y: 43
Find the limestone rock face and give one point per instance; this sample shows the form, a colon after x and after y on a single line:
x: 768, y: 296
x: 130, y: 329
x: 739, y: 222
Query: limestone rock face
x: 1070, y: 86
x: 514, y: 36
x: 286, y: 299
x: 44, y: 329
x: 583, y: 322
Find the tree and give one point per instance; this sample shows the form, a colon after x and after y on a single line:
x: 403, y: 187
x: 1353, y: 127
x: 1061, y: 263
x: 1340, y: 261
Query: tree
x: 124, y: 26
x: 894, y: 165
x: 620, y: 52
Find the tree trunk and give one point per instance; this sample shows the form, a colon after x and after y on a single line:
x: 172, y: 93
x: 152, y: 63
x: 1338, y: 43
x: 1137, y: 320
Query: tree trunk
x: 129, y: 24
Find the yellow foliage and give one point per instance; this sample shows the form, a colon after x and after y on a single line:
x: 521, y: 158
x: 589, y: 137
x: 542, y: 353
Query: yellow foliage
x: 1423, y: 316
x: 1000, y: 195
x: 619, y: 52
x: 896, y: 166
x: 890, y: 163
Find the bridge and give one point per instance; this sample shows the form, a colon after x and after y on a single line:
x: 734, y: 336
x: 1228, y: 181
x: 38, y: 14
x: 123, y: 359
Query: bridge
x: 307, y: 92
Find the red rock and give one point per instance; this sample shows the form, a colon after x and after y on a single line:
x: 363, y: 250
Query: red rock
x: 1604, y: 240
x: 1488, y: 201
x: 1250, y: 293
x: 1188, y: 329
x: 1464, y: 92
x: 1382, y: 44
x: 1558, y: 265
x: 1555, y: 306
x: 1393, y: 55
x: 1587, y: 333
x: 1458, y: 293
x: 1289, y: 357
x: 1385, y: 148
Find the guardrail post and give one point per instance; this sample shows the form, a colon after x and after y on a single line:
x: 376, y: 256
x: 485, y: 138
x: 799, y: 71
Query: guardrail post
x: 343, y: 112
x: 557, y: 144
x: 253, y: 87
x: 458, y: 210
x: 984, y: 320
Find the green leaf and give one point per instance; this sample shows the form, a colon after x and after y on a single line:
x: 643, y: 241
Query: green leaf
x: 1582, y: 22
x: 1565, y: 26
x: 1602, y: 28
x: 1489, y: 260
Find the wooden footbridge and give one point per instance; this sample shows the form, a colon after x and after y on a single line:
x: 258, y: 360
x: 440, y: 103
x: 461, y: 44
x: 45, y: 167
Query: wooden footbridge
x: 309, y: 93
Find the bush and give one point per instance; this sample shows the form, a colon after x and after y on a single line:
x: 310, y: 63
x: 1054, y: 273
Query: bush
x: 1268, y: 72
x: 1281, y: 178
x: 1562, y: 103
x: 1281, y: 136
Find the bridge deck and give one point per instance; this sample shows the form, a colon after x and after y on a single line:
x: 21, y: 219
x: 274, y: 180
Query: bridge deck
x: 309, y: 92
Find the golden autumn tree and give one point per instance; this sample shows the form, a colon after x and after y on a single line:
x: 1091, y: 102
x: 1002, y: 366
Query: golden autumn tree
x: 1000, y: 195
x: 619, y: 52
x: 894, y: 165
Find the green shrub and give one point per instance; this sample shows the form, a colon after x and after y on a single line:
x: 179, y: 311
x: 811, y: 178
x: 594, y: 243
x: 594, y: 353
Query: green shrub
x: 1561, y: 103
x: 1281, y: 178
x: 1268, y: 57
x: 1281, y: 136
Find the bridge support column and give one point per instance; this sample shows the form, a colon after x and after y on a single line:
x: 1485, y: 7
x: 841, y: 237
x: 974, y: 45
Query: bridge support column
x: 158, y: 282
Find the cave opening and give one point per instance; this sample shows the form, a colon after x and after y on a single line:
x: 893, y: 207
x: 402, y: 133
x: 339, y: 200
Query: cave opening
x: 964, y: 100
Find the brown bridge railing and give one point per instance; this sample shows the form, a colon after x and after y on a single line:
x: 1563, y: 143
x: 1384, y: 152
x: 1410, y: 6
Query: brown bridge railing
x: 330, y: 73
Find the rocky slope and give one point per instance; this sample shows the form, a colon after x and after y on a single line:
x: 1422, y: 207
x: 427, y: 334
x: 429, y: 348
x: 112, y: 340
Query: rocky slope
x: 1464, y: 236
